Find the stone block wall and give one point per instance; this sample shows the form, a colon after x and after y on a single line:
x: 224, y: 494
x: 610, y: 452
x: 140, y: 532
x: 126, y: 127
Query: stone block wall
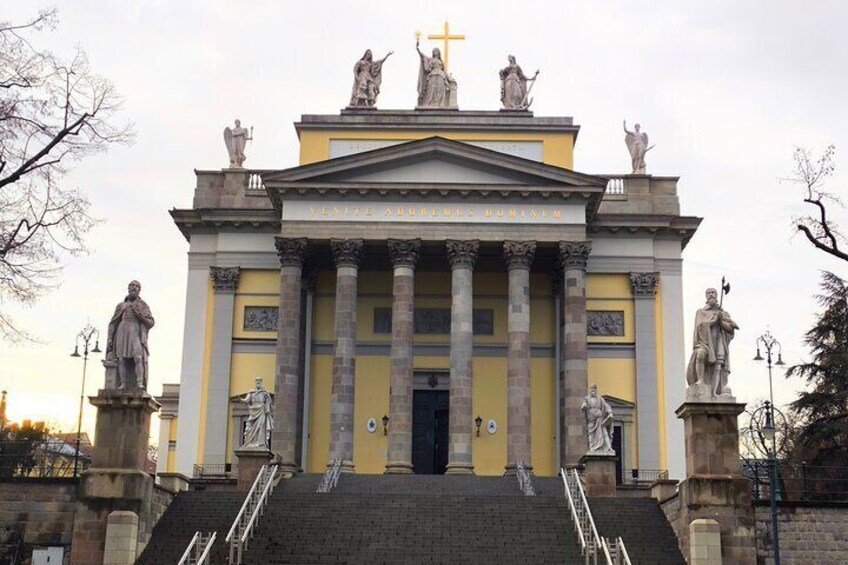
x: 809, y: 533
x: 40, y: 512
x: 149, y: 517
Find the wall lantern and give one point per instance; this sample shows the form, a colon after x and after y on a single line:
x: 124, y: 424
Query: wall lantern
x: 478, y: 421
x: 385, y: 424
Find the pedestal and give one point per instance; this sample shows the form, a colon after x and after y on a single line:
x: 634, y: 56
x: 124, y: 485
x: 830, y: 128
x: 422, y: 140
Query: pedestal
x: 599, y: 474
x: 250, y: 461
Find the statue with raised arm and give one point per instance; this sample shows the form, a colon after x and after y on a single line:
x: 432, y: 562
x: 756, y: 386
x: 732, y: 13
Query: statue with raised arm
x: 126, y: 345
x: 637, y: 145
x: 260, y: 422
x: 236, y: 139
x: 434, y: 85
x: 709, y: 365
x: 598, y: 416
x: 514, y: 92
x: 367, y: 77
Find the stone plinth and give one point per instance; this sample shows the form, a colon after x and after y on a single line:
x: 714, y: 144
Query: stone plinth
x: 250, y: 461
x: 705, y: 546
x: 174, y: 482
x: 663, y: 489
x: 123, y: 429
x: 121, y: 538
x: 599, y: 474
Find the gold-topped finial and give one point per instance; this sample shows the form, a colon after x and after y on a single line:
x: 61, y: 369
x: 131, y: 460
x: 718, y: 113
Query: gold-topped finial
x: 446, y: 37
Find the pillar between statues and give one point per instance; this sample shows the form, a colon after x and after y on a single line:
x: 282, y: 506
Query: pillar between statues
x: 292, y: 253
x: 644, y: 288
x: 404, y: 256
x: 518, y: 256
x: 346, y: 254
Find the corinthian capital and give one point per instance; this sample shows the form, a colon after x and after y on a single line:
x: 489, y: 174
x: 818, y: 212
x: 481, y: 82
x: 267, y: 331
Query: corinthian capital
x: 346, y: 252
x: 404, y: 252
x: 291, y: 251
x: 462, y: 253
x: 224, y: 279
x: 644, y: 284
x: 574, y: 254
x: 519, y: 254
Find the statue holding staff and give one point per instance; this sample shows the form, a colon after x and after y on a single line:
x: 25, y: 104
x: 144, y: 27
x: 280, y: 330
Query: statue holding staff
x: 709, y: 365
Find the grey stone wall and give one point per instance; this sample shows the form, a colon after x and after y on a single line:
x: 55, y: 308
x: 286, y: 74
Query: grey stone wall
x: 147, y: 520
x: 809, y: 533
x: 39, y: 512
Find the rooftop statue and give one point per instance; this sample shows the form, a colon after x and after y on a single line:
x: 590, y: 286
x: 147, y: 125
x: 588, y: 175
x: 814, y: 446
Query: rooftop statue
x: 637, y: 144
x: 236, y: 139
x: 126, y: 345
x: 514, y: 92
x: 367, y: 77
x: 435, y: 88
x: 709, y: 365
x: 598, y: 423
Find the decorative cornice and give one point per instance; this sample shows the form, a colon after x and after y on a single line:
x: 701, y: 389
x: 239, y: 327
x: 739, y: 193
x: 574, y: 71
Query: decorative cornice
x: 404, y: 252
x: 644, y: 284
x: 462, y: 253
x: 224, y: 279
x: 519, y: 254
x: 346, y: 252
x: 574, y: 254
x: 291, y: 251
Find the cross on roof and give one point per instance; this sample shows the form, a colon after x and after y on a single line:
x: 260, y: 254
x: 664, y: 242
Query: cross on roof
x: 447, y: 37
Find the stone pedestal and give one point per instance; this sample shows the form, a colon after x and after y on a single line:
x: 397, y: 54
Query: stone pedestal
x: 663, y: 489
x: 598, y: 474
x: 250, y: 460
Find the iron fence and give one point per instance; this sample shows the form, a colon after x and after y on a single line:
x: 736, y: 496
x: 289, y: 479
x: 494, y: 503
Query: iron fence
x: 215, y: 471
x: 798, y: 482
x: 644, y: 476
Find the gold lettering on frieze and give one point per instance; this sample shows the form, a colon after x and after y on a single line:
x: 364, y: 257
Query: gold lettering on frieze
x: 557, y: 214
x: 459, y: 213
x: 368, y: 211
x: 324, y: 211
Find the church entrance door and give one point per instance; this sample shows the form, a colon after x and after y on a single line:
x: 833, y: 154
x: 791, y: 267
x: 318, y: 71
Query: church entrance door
x: 430, y: 431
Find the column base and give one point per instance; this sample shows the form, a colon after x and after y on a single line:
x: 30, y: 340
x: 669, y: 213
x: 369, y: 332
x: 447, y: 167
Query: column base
x: 398, y: 468
x: 460, y: 469
x: 512, y: 470
x: 250, y: 461
x: 347, y: 466
x: 599, y: 474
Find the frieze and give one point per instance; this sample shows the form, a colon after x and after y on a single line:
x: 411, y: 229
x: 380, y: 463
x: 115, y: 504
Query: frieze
x: 260, y: 318
x: 605, y: 323
x: 435, y: 321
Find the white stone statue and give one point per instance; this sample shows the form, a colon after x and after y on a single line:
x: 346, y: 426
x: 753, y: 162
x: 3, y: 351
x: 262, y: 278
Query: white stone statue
x: 260, y: 422
x: 126, y: 344
x: 236, y: 139
x: 435, y: 88
x: 637, y: 144
x: 514, y: 92
x: 367, y: 77
x: 709, y: 365
x: 598, y: 423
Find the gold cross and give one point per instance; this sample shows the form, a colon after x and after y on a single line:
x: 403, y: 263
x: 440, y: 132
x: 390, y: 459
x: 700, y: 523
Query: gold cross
x: 446, y: 36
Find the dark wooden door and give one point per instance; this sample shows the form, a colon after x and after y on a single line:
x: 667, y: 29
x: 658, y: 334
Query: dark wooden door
x: 616, y: 446
x: 430, y: 411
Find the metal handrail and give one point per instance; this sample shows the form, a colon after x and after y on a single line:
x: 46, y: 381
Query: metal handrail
x: 244, y: 505
x: 605, y: 546
x: 573, y: 508
x: 525, y: 483
x: 205, y: 555
x: 596, y: 537
x: 623, y: 551
x: 186, y: 553
x: 331, y: 477
x: 254, y: 504
x: 260, y: 506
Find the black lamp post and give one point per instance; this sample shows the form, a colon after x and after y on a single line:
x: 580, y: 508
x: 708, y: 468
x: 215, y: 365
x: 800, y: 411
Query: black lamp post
x: 85, y: 336
x: 771, y: 346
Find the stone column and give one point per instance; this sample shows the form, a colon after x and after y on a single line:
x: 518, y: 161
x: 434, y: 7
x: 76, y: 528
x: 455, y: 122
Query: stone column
x: 644, y: 287
x: 573, y: 443
x: 519, y: 257
x: 291, y: 252
x: 404, y: 256
x: 346, y: 253
x: 462, y: 256
x: 224, y: 284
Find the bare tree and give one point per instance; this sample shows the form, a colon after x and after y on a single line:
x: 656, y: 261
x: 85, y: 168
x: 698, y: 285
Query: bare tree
x: 818, y: 226
x: 52, y: 112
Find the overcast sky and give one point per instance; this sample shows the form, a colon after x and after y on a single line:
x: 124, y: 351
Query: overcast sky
x: 725, y: 89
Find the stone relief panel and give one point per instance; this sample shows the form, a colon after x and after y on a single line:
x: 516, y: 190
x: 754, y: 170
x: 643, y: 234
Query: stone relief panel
x: 434, y: 321
x: 260, y: 318
x: 605, y: 323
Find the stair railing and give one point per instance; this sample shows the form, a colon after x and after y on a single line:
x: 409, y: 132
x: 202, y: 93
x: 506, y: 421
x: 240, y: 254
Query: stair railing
x: 616, y: 552
x: 331, y: 477
x: 253, y: 507
x: 191, y: 546
x: 525, y: 482
x: 197, y: 552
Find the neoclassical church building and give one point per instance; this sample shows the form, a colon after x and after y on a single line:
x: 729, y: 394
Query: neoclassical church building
x: 431, y: 291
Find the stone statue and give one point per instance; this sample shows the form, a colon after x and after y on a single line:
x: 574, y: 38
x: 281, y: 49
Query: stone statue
x: 637, y: 144
x: 435, y: 88
x: 514, y: 92
x: 260, y: 422
x: 709, y: 365
x: 126, y: 345
x: 367, y: 77
x: 598, y: 423
x: 236, y: 139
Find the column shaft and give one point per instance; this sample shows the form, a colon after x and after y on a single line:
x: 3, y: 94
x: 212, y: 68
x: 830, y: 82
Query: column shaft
x: 644, y: 287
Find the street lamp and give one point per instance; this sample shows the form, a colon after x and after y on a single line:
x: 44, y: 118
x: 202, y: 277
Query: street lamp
x: 85, y: 336
x: 771, y: 345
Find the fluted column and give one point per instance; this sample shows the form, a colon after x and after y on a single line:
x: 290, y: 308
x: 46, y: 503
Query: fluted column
x: 284, y: 438
x: 644, y: 288
x: 346, y: 254
x: 573, y: 444
x: 518, y: 256
x: 404, y: 256
x: 462, y: 256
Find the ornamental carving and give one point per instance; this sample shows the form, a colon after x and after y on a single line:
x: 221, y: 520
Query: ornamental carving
x: 435, y: 321
x: 260, y: 318
x: 291, y: 251
x: 404, y: 252
x: 574, y: 254
x: 346, y: 252
x: 604, y: 323
x: 462, y: 253
x: 644, y: 284
x: 519, y: 254
x: 224, y: 279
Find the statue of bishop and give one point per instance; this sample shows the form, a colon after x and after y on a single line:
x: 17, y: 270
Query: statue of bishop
x: 260, y: 422
x: 598, y: 415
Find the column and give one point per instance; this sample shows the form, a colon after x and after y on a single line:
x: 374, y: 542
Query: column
x: 575, y: 369
x: 291, y: 252
x: 224, y: 283
x: 462, y: 256
x: 644, y: 287
x: 346, y: 254
x: 404, y: 256
x: 518, y: 256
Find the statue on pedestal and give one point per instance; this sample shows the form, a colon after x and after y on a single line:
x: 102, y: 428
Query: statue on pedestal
x: 126, y: 346
x: 236, y: 139
x: 367, y: 77
x: 637, y: 145
x: 598, y: 423
x: 435, y: 88
x: 514, y: 92
x: 260, y: 422
x: 709, y: 365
